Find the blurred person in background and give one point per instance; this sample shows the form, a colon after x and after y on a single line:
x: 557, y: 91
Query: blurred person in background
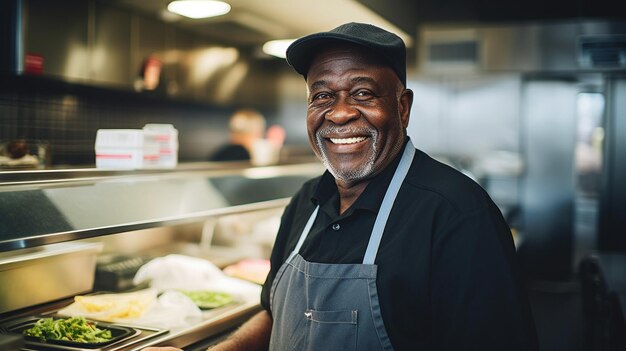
x: 389, y: 249
x: 246, y: 127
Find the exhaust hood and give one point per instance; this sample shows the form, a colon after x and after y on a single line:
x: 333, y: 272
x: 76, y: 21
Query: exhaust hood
x: 537, y: 47
x: 117, y: 44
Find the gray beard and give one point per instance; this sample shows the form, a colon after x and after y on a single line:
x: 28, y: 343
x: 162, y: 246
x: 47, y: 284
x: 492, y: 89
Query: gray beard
x: 353, y: 175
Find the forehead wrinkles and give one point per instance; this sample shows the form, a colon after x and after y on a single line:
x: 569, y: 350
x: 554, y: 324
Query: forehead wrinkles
x: 353, y: 80
x: 340, y: 66
x: 334, y: 71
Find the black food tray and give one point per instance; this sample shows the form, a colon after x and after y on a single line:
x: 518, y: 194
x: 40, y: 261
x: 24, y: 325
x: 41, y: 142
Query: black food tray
x: 118, y: 334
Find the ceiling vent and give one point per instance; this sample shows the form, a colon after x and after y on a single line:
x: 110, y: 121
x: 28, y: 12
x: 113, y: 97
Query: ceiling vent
x: 602, y: 51
x: 449, y: 50
x: 459, y: 51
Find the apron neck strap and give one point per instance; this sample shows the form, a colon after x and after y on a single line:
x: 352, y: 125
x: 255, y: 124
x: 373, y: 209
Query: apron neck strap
x: 387, y: 204
x: 383, y: 212
x: 305, y: 233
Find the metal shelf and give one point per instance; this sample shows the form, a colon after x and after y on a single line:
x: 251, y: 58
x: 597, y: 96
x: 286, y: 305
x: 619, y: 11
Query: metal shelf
x: 45, y: 207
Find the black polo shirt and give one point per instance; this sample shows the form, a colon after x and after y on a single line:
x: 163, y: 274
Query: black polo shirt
x: 448, y: 278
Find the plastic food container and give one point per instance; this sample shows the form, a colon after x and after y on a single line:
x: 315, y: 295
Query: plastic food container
x: 119, y: 333
x: 43, y: 274
x: 124, y: 149
x: 165, y: 138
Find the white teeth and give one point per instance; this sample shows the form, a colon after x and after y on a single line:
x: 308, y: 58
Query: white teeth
x: 347, y: 140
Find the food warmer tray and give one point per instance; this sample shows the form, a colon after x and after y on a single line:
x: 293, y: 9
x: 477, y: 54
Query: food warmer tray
x: 123, y: 336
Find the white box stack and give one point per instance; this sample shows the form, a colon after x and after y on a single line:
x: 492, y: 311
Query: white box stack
x: 165, y: 137
x: 124, y: 149
x: 154, y: 146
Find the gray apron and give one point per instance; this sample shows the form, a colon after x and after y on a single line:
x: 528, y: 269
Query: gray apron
x: 320, y: 306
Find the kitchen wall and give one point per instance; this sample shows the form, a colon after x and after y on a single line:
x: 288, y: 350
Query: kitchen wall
x: 64, y: 119
x: 473, y: 122
x: 93, y: 54
x: 99, y: 44
x: 510, y: 102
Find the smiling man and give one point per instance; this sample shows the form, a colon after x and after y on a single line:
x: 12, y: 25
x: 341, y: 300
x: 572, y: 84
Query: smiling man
x: 357, y: 115
x: 389, y: 249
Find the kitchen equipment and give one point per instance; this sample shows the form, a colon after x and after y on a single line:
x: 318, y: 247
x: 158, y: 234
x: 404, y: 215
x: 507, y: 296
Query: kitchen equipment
x: 118, y: 334
x: 43, y: 274
x: 11, y: 342
x: 116, y: 272
x: 124, y: 335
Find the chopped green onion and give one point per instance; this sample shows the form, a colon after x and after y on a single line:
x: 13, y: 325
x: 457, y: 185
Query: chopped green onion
x: 75, y: 329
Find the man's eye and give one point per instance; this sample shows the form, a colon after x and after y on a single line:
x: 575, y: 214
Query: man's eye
x: 321, y: 96
x: 363, y: 94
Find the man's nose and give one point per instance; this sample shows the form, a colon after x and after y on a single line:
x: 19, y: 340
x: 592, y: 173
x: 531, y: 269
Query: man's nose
x: 343, y: 111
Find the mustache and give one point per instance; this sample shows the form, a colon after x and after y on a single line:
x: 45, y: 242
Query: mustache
x: 334, y: 130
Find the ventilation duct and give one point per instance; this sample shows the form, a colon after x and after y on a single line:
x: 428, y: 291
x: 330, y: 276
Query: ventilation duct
x: 604, y: 51
x: 536, y: 47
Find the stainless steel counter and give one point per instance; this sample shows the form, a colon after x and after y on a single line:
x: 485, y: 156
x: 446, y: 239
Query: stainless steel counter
x: 127, y: 209
x: 213, y: 323
x: 47, y: 207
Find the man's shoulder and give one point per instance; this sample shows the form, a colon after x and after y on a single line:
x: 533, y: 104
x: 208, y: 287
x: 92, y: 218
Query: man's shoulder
x: 429, y: 176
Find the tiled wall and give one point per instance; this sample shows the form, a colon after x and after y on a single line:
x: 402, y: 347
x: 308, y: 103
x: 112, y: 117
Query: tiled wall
x: 66, y: 117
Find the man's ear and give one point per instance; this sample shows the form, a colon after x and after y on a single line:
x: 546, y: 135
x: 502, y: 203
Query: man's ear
x: 406, y: 101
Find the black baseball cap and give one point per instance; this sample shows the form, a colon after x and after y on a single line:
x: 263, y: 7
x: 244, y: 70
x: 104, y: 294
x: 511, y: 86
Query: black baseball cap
x: 384, y: 44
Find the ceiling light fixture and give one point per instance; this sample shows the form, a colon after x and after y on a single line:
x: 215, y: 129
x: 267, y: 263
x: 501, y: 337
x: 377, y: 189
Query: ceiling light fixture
x: 277, y: 48
x: 199, y: 8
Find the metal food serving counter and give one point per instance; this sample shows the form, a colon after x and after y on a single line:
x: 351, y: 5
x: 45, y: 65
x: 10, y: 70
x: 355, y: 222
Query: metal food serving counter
x: 58, y: 226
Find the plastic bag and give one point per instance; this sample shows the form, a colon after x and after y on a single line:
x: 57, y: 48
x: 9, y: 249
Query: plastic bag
x: 179, y: 272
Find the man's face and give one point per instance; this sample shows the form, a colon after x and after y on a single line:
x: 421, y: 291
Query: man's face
x: 357, y: 113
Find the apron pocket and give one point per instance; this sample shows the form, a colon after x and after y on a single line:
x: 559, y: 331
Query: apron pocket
x: 332, y: 330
